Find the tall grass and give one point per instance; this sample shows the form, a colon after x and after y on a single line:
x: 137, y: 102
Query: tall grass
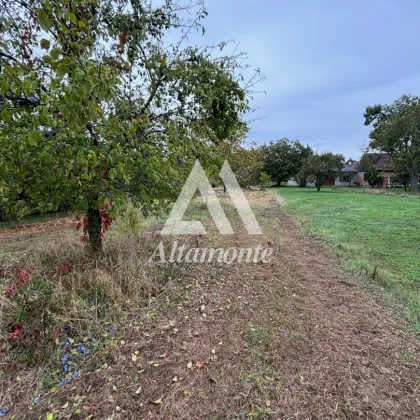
x: 66, y: 288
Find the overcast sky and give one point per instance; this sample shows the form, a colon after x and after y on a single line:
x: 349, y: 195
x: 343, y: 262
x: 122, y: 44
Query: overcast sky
x: 324, y: 62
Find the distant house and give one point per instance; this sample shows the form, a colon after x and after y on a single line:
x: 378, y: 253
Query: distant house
x: 353, y: 172
x: 346, y: 179
x: 348, y: 176
x: 383, y: 164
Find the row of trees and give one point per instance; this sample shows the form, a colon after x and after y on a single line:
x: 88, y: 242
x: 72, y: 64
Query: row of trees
x: 395, y: 131
x: 281, y: 161
x: 286, y: 159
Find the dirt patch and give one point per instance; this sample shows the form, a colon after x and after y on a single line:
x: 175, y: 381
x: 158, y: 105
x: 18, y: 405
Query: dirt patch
x: 35, y: 229
x: 294, y: 338
x: 281, y: 200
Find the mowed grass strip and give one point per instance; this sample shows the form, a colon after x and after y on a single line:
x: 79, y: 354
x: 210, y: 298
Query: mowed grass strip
x: 376, y: 235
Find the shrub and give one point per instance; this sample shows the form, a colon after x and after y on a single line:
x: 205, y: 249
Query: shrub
x: 264, y: 180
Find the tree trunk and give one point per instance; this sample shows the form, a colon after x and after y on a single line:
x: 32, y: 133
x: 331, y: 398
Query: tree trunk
x: 414, y: 183
x: 318, y: 183
x: 302, y: 183
x: 278, y: 183
x: 94, y: 228
x: 414, y: 172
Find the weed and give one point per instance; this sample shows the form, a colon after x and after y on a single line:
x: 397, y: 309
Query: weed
x: 256, y: 334
x: 130, y: 220
x: 260, y: 413
x: 408, y: 357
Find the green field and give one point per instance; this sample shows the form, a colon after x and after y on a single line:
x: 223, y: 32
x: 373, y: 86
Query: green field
x: 375, y: 235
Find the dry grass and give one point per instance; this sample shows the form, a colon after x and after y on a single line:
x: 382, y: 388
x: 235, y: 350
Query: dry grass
x: 71, y: 288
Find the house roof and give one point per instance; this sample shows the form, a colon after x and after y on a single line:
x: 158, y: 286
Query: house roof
x: 350, y: 167
x: 382, y: 162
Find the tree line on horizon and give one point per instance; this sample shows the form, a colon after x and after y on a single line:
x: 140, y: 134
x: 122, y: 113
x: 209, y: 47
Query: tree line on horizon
x: 395, y: 132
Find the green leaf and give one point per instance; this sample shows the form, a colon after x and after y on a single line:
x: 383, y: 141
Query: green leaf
x: 79, y: 75
x: 32, y: 141
x: 45, y: 22
x: 62, y: 69
x: 72, y: 17
x: 46, y: 58
x: 55, y: 53
x: 45, y: 44
x: 6, y: 116
x: 72, y: 119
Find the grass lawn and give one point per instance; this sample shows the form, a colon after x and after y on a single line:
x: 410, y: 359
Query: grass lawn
x: 374, y: 234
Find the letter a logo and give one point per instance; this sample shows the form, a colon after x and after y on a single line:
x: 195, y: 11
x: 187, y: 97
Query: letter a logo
x: 198, y: 180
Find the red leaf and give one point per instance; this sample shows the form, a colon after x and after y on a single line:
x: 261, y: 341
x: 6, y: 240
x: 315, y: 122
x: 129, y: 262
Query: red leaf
x: 65, y: 269
x: 10, y: 292
x: 123, y: 38
x: 15, y: 333
x: 56, y: 334
x: 24, y: 274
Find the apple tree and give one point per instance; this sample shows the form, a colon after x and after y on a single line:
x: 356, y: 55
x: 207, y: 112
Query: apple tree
x: 98, y: 104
